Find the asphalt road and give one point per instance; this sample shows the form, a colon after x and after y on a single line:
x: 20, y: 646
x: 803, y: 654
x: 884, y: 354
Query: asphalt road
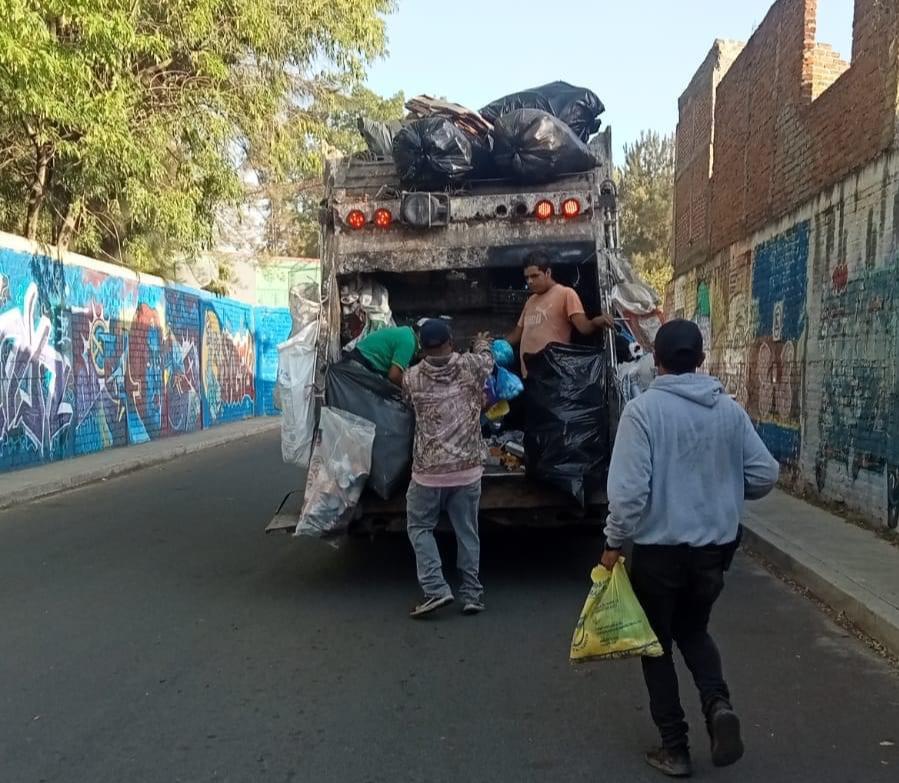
x: 151, y: 632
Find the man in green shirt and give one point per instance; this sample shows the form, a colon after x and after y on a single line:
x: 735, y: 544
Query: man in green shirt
x: 387, y: 352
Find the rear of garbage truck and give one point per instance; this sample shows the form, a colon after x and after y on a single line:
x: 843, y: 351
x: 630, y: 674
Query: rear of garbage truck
x: 459, y: 254
x: 437, y: 220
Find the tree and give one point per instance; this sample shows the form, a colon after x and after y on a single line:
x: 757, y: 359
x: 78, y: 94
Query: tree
x: 283, y: 185
x: 646, y: 195
x: 122, y: 122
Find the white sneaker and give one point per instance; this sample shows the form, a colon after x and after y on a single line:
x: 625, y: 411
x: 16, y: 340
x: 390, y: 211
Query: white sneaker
x: 431, y: 605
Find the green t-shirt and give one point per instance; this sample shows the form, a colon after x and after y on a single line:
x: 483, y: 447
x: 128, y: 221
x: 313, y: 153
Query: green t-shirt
x: 395, y: 345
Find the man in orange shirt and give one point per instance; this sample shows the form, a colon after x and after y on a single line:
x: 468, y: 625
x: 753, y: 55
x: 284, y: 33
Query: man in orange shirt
x: 550, y: 312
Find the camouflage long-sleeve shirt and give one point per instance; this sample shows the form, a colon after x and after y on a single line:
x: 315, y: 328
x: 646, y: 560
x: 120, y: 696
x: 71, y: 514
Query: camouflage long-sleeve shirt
x: 447, y: 396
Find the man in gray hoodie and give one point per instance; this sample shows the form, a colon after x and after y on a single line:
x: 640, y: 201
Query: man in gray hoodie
x: 686, y: 457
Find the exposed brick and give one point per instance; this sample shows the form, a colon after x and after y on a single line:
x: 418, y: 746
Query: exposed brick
x: 801, y: 264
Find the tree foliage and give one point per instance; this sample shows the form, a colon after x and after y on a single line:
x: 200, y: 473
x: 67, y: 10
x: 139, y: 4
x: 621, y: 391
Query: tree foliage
x: 284, y: 184
x: 124, y: 123
x: 646, y: 195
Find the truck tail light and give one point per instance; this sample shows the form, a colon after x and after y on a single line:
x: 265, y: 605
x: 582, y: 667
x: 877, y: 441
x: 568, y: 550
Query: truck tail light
x: 383, y: 218
x: 571, y: 208
x: 355, y: 218
x: 544, y: 210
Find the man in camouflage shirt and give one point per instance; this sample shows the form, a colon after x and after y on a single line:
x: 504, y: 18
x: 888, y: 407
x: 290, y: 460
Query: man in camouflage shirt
x: 446, y: 390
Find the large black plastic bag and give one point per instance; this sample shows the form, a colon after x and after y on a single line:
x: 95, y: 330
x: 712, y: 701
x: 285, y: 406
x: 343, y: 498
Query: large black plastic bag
x: 578, y: 107
x: 432, y: 153
x: 567, y: 435
x: 533, y: 146
x: 355, y: 389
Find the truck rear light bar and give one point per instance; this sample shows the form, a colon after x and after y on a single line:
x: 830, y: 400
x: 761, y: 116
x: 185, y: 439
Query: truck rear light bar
x: 544, y: 210
x: 383, y: 218
x: 356, y: 219
x: 571, y: 208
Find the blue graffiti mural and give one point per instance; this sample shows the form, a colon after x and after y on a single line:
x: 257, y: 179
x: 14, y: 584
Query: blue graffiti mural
x: 858, y: 424
x: 91, y: 358
x: 779, y: 291
x: 273, y: 326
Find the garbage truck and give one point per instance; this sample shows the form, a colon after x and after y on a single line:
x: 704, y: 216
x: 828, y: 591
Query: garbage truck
x: 401, y: 254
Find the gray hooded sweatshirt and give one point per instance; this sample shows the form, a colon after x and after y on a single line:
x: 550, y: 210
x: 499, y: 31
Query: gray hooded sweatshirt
x: 686, y: 457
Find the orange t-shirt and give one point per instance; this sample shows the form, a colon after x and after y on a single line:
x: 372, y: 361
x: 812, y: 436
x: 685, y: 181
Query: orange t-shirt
x: 546, y: 318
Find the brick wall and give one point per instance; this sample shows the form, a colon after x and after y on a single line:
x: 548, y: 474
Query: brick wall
x: 801, y: 321
x: 780, y: 138
x: 797, y: 293
x: 693, y: 167
x: 93, y: 357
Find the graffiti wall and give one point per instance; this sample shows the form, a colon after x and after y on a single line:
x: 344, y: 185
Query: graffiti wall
x: 802, y: 324
x: 91, y: 357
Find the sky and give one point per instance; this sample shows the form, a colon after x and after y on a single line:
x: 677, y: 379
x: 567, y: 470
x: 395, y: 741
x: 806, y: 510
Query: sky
x: 637, y: 55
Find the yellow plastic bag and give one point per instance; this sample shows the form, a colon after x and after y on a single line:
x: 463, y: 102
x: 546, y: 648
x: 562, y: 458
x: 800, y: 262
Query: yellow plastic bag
x: 612, y: 623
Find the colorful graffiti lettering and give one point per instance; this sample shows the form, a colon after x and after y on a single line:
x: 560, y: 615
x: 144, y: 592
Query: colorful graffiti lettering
x: 229, y: 369
x: 183, y: 385
x: 99, y: 383
x: 35, y: 394
x: 144, y: 382
x: 93, y: 358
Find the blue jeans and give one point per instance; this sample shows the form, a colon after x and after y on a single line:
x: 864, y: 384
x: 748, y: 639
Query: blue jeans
x: 423, y: 508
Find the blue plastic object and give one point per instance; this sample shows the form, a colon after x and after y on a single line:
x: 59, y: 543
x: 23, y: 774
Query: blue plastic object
x: 503, y: 354
x: 508, y: 385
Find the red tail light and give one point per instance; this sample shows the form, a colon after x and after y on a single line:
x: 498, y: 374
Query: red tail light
x: 571, y: 208
x: 383, y: 218
x: 544, y: 210
x: 355, y: 219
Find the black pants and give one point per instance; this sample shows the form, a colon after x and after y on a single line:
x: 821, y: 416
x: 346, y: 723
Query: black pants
x: 677, y: 587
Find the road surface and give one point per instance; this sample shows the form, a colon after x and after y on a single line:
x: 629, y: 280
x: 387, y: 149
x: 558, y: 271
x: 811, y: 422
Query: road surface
x: 151, y: 632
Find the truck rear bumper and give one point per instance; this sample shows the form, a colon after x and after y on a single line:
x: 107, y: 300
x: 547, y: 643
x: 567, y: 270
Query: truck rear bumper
x: 506, y: 500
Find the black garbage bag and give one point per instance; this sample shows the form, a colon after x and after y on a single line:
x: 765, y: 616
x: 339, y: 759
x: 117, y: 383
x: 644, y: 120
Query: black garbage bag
x: 533, y: 147
x: 379, y: 136
x: 353, y: 388
x: 566, y: 440
x: 432, y: 153
x: 578, y: 107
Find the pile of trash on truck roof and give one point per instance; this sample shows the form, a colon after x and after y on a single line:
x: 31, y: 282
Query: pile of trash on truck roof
x: 530, y: 137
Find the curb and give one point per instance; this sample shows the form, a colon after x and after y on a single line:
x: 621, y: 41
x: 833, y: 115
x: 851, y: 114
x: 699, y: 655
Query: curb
x: 130, y: 463
x: 866, y: 610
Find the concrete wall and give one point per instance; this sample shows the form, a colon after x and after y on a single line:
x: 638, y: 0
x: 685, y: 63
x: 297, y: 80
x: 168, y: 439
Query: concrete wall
x: 93, y: 356
x: 797, y: 292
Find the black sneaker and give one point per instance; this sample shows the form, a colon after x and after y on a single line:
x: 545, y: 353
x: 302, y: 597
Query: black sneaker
x: 431, y: 605
x: 473, y: 607
x: 673, y: 762
x: 724, y: 729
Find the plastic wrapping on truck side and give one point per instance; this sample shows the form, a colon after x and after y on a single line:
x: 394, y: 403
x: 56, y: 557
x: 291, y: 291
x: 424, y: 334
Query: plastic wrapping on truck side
x: 578, y: 107
x: 532, y: 147
x: 340, y: 463
x: 432, y: 153
x: 353, y: 388
x: 567, y: 434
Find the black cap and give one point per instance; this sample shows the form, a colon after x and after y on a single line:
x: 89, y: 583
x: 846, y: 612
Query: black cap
x: 434, y: 332
x: 678, y: 346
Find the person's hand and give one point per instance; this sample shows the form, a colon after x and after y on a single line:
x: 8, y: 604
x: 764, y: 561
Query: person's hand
x: 604, y: 321
x: 483, y: 336
x: 609, y: 558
